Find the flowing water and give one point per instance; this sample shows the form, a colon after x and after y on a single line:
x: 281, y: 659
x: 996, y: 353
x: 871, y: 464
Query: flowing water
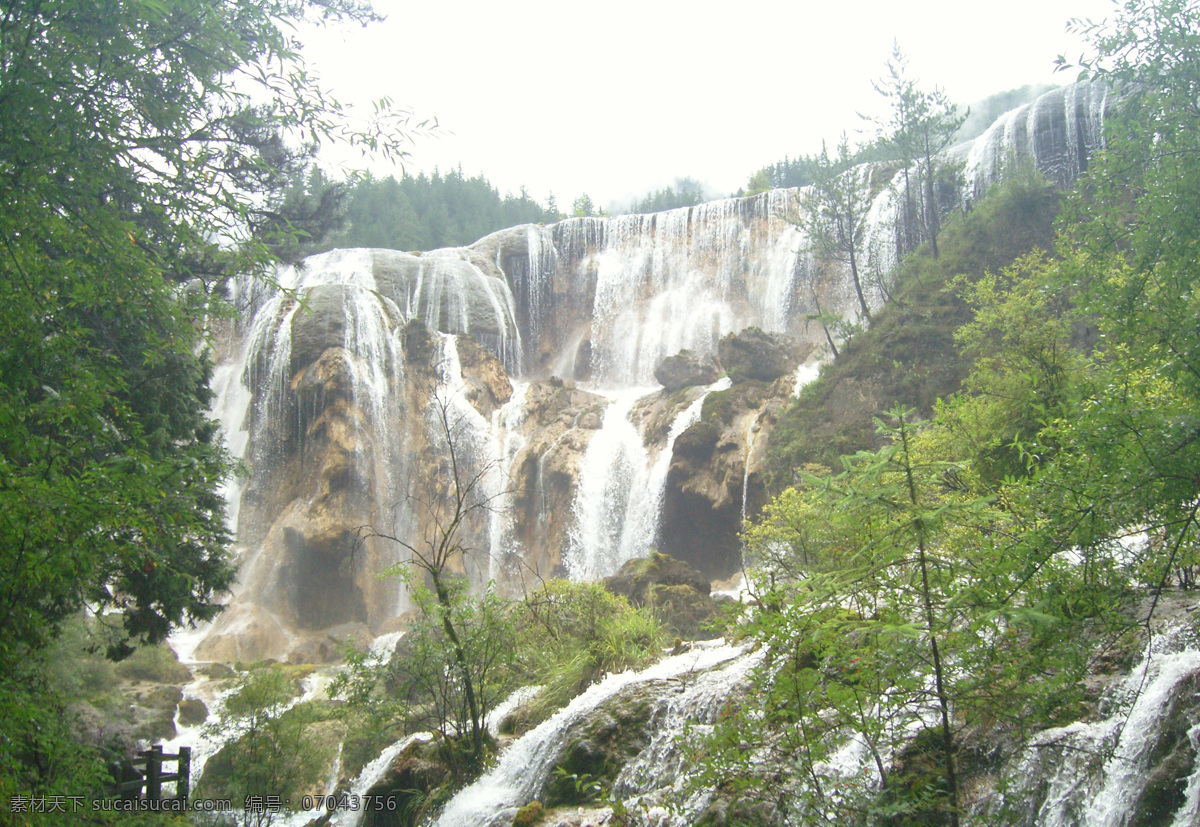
x: 524, y: 767
x: 601, y: 300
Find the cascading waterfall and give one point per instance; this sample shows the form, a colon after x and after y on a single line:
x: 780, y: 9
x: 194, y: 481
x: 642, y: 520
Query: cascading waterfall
x: 663, y: 768
x: 686, y: 277
x: 1090, y: 773
x: 370, y: 775
x: 506, y: 441
x: 524, y: 767
x: 620, y: 492
x: 1056, y: 133
x: 612, y: 477
x: 613, y: 296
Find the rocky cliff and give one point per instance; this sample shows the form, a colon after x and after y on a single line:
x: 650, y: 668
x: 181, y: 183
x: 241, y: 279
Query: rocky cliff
x: 590, y: 376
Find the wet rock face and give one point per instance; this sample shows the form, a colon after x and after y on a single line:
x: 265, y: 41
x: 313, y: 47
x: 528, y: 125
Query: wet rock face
x: 1171, y: 760
x: 685, y: 369
x: 716, y: 477
x: 487, y: 383
x: 757, y: 355
x: 410, y: 782
x: 598, y: 746
x: 560, y: 421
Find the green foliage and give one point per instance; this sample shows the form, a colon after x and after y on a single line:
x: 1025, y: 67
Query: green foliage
x: 909, y: 355
x: 583, y: 207
x: 271, y: 743
x: 135, y: 176
x: 572, y: 634
x: 685, y: 192
x: 920, y: 125
x: 998, y: 540
x: 832, y: 213
x: 154, y: 663
x: 760, y: 181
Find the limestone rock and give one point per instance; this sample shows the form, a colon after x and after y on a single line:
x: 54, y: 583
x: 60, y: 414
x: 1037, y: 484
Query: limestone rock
x: 756, y: 354
x: 559, y: 424
x: 716, y: 476
x: 684, y: 369
x: 318, y: 325
x: 487, y: 384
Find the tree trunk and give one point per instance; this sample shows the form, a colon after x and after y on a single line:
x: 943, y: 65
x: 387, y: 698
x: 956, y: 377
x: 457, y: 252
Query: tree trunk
x: 927, y: 603
x: 460, y: 658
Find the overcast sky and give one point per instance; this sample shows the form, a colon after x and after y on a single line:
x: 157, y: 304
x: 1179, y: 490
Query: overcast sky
x: 616, y: 98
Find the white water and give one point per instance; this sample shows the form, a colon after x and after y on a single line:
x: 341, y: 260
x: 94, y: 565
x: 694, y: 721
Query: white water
x: 613, y: 474
x: 524, y: 767
x: 806, y: 374
x: 1090, y: 773
x: 371, y: 775
x: 660, y: 773
x: 621, y: 489
x: 506, y: 441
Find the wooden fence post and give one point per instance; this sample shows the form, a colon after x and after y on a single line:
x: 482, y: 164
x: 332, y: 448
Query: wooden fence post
x: 183, y: 772
x: 154, y: 773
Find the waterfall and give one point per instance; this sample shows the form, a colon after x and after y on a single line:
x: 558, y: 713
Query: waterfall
x: 613, y: 474
x: 1091, y: 773
x: 319, y: 366
x: 663, y: 767
x: 1056, y: 133
x: 524, y: 767
x: 620, y: 493
x: 371, y: 775
x: 746, y: 469
x: 506, y: 442
x: 686, y: 277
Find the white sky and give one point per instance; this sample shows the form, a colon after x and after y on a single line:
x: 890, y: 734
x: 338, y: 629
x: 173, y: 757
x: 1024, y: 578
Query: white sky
x: 615, y: 98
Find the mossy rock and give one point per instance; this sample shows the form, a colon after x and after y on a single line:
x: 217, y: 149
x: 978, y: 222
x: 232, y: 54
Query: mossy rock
x: 682, y: 609
x: 755, y: 354
x: 192, y: 712
x: 531, y: 813
x: 418, y: 781
x: 742, y: 811
x: 216, y: 671
x: 638, y: 577
x: 697, y: 442
x: 599, y: 747
x: 1171, y: 759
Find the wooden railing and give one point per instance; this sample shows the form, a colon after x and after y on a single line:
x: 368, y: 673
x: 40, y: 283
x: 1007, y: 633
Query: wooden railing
x: 152, y: 777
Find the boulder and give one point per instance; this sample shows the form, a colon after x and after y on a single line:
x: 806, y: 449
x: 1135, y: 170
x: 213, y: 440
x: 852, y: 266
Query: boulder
x: 637, y: 580
x: 410, y: 786
x: 685, y: 369
x: 756, y: 354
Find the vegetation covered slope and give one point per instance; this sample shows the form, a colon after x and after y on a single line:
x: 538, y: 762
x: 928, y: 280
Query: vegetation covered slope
x: 949, y: 584
x: 909, y: 355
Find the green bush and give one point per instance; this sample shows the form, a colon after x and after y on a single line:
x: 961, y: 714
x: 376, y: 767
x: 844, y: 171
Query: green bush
x: 572, y: 634
x: 154, y: 663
